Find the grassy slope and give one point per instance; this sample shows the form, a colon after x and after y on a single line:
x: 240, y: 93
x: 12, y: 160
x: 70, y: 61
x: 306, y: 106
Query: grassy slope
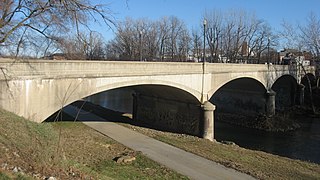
x: 67, y: 151
x: 256, y: 163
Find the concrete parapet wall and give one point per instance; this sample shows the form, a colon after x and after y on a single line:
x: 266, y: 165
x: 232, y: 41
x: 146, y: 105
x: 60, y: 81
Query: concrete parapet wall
x: 35, y: 89
x: 92, y: 69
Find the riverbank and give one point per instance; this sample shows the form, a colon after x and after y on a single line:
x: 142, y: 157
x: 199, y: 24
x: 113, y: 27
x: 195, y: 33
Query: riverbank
x: 68, y: 150
x: 255, y: 163
x: 282, y: 121
x: 278, y: 123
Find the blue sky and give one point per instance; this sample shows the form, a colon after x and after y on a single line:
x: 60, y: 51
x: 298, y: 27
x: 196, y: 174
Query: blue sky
x: 191, y: 11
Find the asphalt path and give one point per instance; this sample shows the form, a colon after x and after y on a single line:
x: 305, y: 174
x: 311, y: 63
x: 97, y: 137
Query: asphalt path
x: 193, y: 166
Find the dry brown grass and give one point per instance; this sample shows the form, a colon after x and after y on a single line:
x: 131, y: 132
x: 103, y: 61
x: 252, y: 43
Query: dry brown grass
x: 68, y: 150
x: 256, y: 163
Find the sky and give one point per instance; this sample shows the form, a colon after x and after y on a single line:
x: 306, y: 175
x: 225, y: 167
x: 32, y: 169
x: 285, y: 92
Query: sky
x: 192, y: 11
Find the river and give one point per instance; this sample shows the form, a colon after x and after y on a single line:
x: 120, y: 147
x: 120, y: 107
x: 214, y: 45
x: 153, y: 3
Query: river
x: 303, y: 144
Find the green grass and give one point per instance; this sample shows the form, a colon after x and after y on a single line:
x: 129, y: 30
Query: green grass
x: 68, y: 150
x: 3, y: 176
x: 143, y: 166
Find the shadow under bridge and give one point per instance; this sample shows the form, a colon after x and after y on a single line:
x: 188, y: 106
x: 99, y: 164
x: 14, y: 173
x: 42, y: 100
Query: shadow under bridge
x: 158, y: 107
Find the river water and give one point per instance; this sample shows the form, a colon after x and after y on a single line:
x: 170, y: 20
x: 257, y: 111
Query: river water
x: 303, y: 144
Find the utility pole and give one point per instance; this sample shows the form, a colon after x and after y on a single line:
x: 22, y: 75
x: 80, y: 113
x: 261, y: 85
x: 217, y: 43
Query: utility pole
x: 204, y: 39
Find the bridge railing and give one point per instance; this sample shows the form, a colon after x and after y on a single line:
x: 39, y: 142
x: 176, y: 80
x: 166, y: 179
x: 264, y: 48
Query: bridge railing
x: 229, y: 67
x: 56, y: 69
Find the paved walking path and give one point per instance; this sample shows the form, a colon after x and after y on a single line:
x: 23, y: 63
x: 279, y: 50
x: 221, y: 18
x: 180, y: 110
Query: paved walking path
x: 179, y: 160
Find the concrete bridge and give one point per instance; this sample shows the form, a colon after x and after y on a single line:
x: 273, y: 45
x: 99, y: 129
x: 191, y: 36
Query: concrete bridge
x: 182, y: 96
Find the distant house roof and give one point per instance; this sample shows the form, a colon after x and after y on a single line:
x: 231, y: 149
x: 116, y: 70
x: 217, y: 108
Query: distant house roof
x: 296, y: 53
x: 57, y: 56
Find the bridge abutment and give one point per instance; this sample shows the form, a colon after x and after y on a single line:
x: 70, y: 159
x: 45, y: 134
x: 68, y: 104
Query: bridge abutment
x: 166, y: 114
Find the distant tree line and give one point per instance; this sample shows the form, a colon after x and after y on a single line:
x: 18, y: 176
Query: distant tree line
x: 233, y: 36
x: 43, y: 28
x: 143, y: 39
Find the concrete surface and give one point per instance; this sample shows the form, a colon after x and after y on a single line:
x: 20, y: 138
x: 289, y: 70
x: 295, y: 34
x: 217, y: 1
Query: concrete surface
x: 193, y: 166
x: 35, y: 89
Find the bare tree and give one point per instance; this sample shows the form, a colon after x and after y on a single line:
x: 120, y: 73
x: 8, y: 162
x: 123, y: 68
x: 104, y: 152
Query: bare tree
x: 94, y: 46
x: 148, y: 33
x: 196, y: 45
x: 26, y: 44
x: 240, y: 34
x: 310, y: 34
x: 289, y: 36
x: 184, y: 41
x: 177, y: 32
x: 135, y: 39
x: 163, y: 36
x: 215, y: 25
x: 142, y: 38
x: 263, y: 40
x: 46, y: 17
x: 227, y: 37
x: 72, y: 47
x: 236, y: 35
x: 126, y: 41
x: 253, y: 38
x: 302, y: 37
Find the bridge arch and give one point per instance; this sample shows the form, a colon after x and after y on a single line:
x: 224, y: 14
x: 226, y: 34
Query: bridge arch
x: 285, y: 88
x: 243, y: 95
x: 215, y: 86
x: 79, y: 89
x: 153, y: 105
x: 181, y: 87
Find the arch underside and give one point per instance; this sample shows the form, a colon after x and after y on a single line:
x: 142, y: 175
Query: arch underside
x: 254, y: 87
x: 155, y: 106
x: 240, y: 96
x: 220, y: 80
x: 285, y: 88
x: 150, y: 88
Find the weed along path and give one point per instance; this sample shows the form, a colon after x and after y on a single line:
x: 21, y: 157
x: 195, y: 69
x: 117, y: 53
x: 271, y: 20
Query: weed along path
x: 179, y: 160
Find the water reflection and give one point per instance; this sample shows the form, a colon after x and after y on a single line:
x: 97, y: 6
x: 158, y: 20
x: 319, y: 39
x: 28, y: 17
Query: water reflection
x: 303, y: 144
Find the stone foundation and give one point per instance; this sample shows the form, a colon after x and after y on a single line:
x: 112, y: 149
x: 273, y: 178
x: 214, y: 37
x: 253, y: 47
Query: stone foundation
x: 169, y: 115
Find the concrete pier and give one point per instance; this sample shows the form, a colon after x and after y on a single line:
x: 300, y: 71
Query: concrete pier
x: 208, y: 121
x: 270, y: 103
